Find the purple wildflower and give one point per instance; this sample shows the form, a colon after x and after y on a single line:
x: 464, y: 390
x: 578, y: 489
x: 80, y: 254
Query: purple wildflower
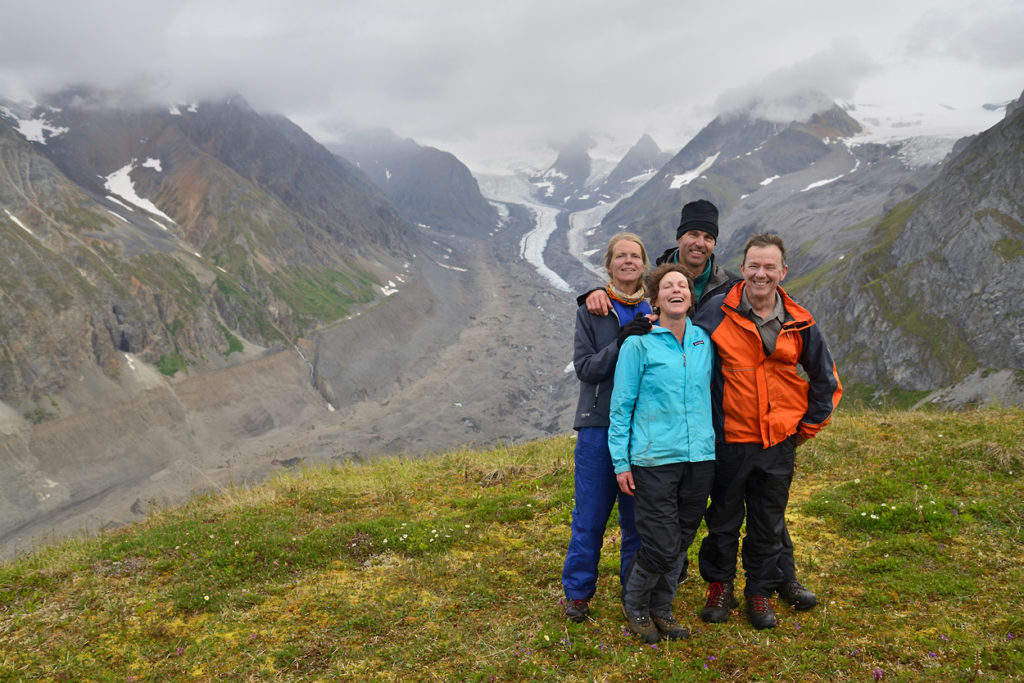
x: 877, y: 673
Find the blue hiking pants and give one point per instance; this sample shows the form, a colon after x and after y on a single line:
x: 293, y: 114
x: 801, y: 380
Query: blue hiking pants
x: 596, y: 493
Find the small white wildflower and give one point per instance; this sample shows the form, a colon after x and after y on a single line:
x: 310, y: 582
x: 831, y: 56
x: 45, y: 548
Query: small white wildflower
x: 874, y: 516
x: 857, y: 480
x: 863, y: 514
x: 206, y: 597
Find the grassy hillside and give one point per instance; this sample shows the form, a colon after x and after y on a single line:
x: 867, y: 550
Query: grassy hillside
x: 907, y: 525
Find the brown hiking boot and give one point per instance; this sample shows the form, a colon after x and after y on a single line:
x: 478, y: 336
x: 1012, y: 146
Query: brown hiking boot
x: 720, y: 600
x: 642, y: 626
x: 669, y: 628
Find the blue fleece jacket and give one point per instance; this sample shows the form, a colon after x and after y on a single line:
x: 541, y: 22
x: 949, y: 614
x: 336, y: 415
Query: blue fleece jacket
x: 661, y: 400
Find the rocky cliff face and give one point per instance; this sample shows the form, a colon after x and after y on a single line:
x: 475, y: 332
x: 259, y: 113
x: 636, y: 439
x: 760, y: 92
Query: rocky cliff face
x: 933, y: 297
x: 735, y: 162
x: 172, y: 236
x: 642, y: 160
x: 430, y: 187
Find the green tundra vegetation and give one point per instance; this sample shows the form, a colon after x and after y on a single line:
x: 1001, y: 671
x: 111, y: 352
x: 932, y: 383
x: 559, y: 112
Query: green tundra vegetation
x: 908, y: 525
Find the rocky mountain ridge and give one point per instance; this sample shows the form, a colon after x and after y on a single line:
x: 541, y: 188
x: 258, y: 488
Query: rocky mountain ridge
x: 261, y: 235
x: 430, y: 187
x: 932, y: 300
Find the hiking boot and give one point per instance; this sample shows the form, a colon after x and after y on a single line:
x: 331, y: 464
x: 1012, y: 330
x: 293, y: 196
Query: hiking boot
x: 796, y: 595
x: 720, y: 600
x: 641, y: 625
x: 577, y: 610
x: 759, y: 609
x: 669, y: 628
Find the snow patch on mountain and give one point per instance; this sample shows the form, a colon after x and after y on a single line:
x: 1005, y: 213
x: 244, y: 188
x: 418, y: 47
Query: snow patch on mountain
x: 688, y: 177
x: 37, y: 130
x: 18, y: 222
x: 120, y: 183
x: 822, y: 183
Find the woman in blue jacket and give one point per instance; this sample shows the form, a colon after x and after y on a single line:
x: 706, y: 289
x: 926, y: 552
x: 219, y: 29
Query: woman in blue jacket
x: 662, y: 445
x: 596, y: 348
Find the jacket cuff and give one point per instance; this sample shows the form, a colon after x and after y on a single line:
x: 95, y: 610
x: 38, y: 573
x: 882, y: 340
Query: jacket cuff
x: 807, y: 431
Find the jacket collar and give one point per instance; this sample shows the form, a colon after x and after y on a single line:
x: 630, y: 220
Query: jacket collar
x: 794, y: 311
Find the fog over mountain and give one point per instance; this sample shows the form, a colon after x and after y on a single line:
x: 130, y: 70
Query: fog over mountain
x: 494, y: 84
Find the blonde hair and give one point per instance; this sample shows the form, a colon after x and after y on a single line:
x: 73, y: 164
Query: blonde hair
x: 609, y: 251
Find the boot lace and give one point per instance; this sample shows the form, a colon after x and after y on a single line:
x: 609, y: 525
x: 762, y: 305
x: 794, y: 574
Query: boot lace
x: 761, y: 603
x: 716, y: 595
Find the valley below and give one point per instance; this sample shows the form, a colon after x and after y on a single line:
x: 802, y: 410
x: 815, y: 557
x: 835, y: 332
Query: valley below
x: 475, y: 348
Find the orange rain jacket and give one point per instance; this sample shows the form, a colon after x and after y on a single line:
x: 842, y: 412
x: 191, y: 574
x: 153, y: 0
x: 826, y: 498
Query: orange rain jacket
x: 758, y: 398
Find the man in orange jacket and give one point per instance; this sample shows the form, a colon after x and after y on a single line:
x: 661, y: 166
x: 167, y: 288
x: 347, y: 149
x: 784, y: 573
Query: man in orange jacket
x: 763, y: 410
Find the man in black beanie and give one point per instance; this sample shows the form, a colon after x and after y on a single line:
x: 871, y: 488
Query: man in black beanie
x: 696, y: 237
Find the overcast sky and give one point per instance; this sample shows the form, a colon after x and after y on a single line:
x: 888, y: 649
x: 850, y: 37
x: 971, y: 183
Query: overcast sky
x: 490, y: 80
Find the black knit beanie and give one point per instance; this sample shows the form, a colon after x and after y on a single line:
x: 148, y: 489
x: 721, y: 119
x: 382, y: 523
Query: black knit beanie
x: 699, y: 215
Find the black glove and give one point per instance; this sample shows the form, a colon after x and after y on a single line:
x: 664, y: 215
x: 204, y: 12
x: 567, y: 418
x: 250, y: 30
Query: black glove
x: 638, y: 325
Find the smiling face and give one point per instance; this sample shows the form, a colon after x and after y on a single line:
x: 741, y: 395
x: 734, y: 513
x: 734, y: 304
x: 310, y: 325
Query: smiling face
x: 673, y: 297
x: 763, y: 269
x: 695, y: 248
x: 626, y: 266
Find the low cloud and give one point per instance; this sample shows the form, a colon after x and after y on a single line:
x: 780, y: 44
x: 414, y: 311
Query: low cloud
x: 796, y: 92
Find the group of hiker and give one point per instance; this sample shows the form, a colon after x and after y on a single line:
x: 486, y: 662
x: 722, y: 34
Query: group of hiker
x: 691, y: 408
